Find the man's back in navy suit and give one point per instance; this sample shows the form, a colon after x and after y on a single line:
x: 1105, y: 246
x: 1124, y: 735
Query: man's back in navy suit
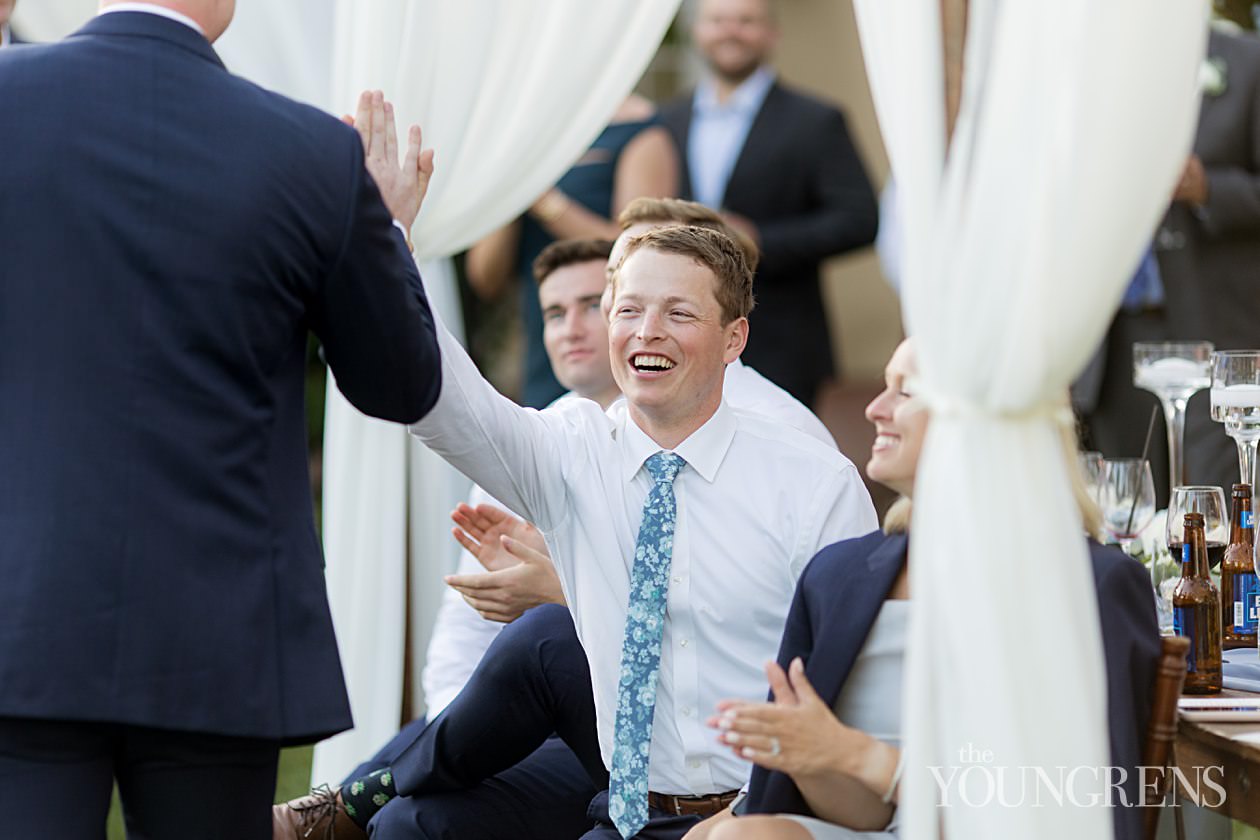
x: 168, y: 235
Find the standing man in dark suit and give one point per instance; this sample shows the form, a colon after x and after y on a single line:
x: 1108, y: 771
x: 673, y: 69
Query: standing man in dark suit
x: 1208, y: 253
x: 782, y: 168
x: 170, y: 234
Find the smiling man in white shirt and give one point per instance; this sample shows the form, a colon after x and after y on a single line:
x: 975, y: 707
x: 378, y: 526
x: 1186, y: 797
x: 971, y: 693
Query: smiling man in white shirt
x: 754, y: 501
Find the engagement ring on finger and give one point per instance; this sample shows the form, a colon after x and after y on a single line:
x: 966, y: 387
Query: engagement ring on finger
x: 775, y: 746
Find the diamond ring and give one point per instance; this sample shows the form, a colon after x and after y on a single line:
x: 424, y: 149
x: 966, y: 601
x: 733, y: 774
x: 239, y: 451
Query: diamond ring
x: 775, y: 746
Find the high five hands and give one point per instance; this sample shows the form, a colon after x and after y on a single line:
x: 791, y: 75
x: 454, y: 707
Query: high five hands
x: 404, y: 185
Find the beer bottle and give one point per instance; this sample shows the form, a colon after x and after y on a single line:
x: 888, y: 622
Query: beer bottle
x: 1240, y: 592
x: 1197, y: 612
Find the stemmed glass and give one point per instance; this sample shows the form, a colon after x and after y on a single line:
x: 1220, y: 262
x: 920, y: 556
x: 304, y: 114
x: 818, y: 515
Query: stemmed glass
x: 1126, y: 495
x: 1173, y: 371
x: 1091, y: 469
x: 1204, y: 499
x: 1236, y: 403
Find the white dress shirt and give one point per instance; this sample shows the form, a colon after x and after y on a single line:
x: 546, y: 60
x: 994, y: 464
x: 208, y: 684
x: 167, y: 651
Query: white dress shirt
x: 461, y: 636
x: 5, y: 37
x: 748, y: 390
x: 152, y: 9
x: 755, y: 501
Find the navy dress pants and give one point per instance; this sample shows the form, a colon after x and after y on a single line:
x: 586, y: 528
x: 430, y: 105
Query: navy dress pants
x: 515, y: 755
x: 56, y: 778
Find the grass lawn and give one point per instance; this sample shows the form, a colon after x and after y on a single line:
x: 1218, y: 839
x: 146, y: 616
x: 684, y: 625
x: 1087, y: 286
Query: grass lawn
x: 292, y: 780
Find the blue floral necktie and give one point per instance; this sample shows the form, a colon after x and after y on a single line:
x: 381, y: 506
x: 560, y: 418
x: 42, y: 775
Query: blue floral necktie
x: 641, y: 649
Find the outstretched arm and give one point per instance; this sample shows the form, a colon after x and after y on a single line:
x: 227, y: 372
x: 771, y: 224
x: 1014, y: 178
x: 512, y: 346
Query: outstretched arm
x: 512, y: 452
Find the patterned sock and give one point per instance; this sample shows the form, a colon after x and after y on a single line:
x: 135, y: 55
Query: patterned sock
x: 364, y: 797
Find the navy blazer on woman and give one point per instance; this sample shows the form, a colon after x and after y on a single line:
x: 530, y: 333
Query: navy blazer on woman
x: 169, y: 233
x: 839, y: 596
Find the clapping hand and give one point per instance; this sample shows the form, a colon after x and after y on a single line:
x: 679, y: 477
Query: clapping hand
x: 519, y: 575
x: 402, y: 187
x: 796, y: 734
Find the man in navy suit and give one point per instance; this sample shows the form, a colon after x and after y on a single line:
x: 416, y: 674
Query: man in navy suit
x: 170, y: 234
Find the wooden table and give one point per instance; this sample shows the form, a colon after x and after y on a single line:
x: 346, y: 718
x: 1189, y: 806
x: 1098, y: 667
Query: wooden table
x: 1234, y: 746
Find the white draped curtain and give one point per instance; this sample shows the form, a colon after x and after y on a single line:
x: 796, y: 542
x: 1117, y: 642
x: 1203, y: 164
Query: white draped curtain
x: 1075, y: 121
x: 509, y: 93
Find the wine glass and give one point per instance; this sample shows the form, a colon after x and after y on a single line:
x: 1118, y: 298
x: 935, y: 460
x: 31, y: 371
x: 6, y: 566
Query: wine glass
x: 1236, y: 403
x: 1091, y: 470
x: 1203, y: 499
x: 1127, y: 497
x: 1173, y: 371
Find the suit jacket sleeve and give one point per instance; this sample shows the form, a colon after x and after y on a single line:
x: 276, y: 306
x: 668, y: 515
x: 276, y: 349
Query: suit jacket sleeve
x: 372, y: 314
x: 843, y: 212
x: 1131, y: 645
x: 1233, y: 205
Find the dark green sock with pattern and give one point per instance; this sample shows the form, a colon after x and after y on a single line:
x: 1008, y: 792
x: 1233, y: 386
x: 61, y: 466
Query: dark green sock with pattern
x: 364, y: 797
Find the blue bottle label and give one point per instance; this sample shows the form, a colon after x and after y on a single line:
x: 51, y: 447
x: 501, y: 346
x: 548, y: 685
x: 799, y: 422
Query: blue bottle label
x: 1245, y: 519
x: 1246, y: 599
x: 1185, y: 624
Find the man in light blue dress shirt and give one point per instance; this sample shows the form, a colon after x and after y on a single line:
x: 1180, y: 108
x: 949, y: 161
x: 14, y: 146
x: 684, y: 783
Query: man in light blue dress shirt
x: 780, y: 166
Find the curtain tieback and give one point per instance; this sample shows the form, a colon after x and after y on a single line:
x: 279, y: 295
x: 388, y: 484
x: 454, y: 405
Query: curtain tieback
x: 945, y: 405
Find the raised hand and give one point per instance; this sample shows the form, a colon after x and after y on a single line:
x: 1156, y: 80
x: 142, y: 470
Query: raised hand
x: 505, y: 594
x: 402, y: 186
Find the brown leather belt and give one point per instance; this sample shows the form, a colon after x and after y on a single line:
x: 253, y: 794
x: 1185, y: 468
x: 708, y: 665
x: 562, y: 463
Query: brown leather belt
x: 692, y: 806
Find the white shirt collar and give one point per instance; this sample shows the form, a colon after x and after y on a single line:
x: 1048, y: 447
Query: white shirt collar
x: 745, y: 98
x: 5, y: 36
x: 703, y: 450
x: 153, y: 9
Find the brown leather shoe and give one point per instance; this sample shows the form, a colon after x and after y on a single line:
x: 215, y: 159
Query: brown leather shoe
x: 319, y: 816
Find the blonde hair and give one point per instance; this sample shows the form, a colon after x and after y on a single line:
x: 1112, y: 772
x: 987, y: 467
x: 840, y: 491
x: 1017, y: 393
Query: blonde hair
x: 664, y: 211
x: 709, y: 248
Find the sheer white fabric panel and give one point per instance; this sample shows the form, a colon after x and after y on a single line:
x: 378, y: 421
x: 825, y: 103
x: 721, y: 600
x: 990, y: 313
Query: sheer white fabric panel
x: 509, y: 92
x: 283, y: 47
x: 51, y: 20
x: 1073, y: 130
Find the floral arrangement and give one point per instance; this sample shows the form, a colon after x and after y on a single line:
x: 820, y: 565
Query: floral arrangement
x: 1213, y: 76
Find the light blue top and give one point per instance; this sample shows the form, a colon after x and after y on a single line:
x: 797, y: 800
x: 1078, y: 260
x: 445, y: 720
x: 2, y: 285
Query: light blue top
x: 718, y: 132
x: 871, y: 697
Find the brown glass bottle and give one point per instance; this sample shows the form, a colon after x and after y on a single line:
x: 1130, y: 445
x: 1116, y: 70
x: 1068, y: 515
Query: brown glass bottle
x: 1240, y: 597
x: 1197, y: 612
